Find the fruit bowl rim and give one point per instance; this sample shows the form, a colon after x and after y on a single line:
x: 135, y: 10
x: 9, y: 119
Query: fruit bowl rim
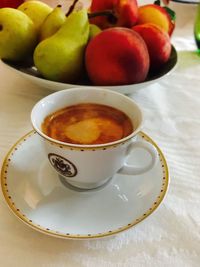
x: 32, y: 74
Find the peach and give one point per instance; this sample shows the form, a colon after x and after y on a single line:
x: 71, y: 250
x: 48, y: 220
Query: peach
x: 117, y: 56
x: 152, y: 13
x: 157, y: 41
x: 125, y: 13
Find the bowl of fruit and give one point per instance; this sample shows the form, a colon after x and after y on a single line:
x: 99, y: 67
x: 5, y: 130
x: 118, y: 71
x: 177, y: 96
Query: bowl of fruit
x: 112, y: 44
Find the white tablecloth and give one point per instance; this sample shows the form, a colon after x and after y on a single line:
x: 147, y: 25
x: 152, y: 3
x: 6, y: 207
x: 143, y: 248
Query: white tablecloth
x: 171, y: 235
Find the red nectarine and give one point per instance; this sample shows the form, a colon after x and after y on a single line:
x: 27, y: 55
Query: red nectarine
x: 125, y: 13
x: 10, y: 3
x: 157, y: 41
x: 117, y: 56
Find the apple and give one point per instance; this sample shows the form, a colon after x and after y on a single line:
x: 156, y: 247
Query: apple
x: 37, y: 11
x: 10, y: 3
x: 124, y: 13
x: 117, y: 56
x: 17, y: 35
x: 156, y: 14
x: 157, y: 41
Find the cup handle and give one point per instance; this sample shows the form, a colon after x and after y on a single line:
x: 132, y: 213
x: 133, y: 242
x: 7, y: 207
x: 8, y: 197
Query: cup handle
x: 134, y: 170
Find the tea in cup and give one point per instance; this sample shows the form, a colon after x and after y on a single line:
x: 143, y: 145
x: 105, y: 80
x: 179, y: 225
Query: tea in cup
x: 88, y: 134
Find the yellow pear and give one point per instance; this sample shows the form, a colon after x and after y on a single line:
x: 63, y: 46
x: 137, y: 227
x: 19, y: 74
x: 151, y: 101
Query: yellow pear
x: 36, y: 10
x: 52, y: 23
x: 17, y: 35
x: 94, y: 30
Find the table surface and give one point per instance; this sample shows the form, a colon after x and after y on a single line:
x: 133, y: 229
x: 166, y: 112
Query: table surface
x: 171, y: 236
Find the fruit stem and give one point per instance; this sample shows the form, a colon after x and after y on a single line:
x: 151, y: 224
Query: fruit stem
x: 108, y: 13
x: 71, y: 8
x: 157, y: 2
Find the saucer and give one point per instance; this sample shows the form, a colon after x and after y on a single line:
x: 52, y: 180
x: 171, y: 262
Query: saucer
x: 38, y: 197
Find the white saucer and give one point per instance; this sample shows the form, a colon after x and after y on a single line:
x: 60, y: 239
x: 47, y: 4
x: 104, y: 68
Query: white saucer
x: 38, y: 197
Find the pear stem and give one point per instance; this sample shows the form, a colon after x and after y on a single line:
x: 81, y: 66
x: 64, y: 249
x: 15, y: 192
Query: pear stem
x: 71, y: 8
x: 107, y: 13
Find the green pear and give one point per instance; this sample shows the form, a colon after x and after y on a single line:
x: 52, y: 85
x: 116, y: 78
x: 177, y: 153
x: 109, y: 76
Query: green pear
x: 36, y: 10
x: 52, y: 23
x: 94, y: 30
x: 61, y: 56
x: 17, y: 35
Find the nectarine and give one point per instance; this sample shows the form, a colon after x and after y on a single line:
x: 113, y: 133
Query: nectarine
x: 152, y: 13
x: 10, y: 3
x: 157, y: 41
x: 117, y: 56
x: 125, y: 13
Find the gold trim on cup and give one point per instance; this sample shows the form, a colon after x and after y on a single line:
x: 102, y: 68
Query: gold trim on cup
x: 85, y: 147
x: 11, y: 204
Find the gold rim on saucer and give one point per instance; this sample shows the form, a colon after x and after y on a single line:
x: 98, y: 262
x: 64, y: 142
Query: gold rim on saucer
x: 10, y: 202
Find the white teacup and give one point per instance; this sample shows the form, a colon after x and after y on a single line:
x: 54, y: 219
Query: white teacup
x: 90, y: 166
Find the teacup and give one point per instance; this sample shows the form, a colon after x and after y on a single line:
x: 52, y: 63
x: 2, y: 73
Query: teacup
x: 88, y: 166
